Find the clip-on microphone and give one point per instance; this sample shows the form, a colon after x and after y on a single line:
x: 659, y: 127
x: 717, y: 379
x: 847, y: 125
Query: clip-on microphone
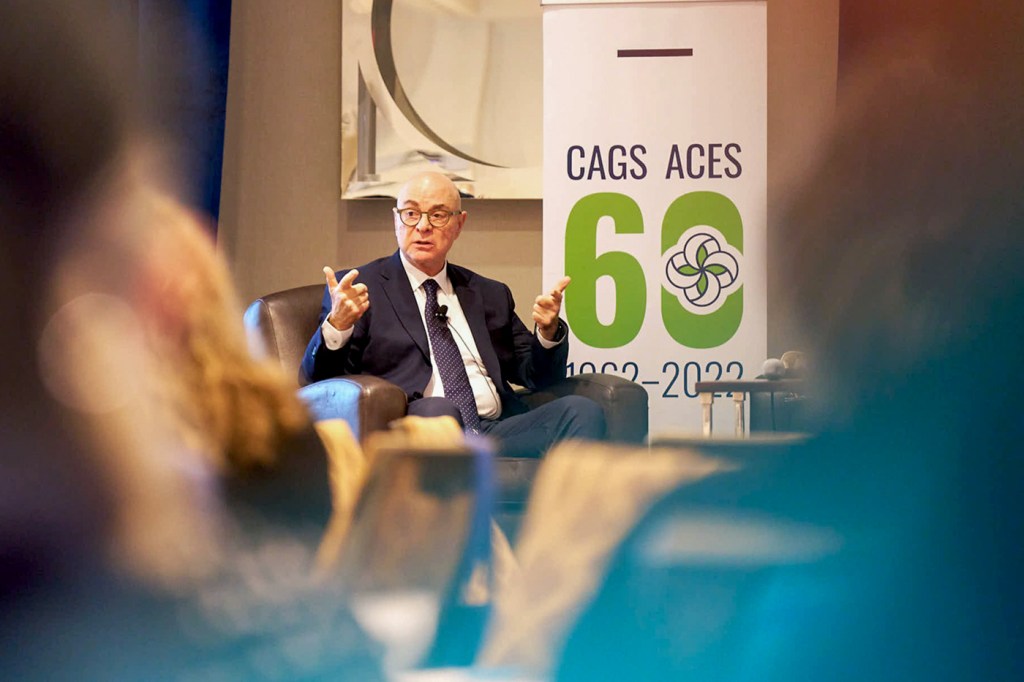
x: 442, y: 313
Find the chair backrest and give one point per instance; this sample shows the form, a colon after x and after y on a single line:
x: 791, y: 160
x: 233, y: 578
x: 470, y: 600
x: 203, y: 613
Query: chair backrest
x: 279, y: 325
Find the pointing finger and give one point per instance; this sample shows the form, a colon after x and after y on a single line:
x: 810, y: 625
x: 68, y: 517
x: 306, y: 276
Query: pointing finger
x: 332, y: 281
x: 349, y: 277
x: 556, y: 293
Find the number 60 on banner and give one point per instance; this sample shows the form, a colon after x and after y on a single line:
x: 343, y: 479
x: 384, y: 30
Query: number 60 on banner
x: 700, y: 270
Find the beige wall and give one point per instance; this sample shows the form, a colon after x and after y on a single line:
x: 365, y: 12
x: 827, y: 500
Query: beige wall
x: 281, y: 216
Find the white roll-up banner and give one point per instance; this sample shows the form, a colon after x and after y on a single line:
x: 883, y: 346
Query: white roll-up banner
x: 655, y: 192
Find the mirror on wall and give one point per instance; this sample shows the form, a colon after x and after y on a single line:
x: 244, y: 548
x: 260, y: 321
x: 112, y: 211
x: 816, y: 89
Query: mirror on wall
x: 448, y: 85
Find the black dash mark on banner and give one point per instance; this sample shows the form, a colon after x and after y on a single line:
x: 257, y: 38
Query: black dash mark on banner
x: 667, y: 52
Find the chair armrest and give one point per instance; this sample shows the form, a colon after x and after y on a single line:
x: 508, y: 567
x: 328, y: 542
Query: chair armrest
x: 366, y: 402
x: 624, y: 402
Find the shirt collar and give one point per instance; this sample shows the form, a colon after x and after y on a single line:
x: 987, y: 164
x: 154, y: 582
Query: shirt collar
x: 417, y: 277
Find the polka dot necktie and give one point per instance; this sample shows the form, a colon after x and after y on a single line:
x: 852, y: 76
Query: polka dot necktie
x: 450, y: 365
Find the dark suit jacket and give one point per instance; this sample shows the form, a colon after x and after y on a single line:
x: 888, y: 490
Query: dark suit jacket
x: 390, y: 341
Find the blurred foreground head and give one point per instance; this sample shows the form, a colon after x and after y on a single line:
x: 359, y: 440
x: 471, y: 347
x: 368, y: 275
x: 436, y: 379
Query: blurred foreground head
x: 127, y: 386
x: 64, y: 120
x: 903, y: 244
x: 118, y: 319
x: 64, y: 117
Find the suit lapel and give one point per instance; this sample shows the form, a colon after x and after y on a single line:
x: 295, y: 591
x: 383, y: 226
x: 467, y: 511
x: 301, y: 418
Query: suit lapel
x: 395, y: 284
x: 473, y: 308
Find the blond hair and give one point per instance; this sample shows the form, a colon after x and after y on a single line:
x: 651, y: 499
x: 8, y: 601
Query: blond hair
x: 147, y: 347
x: 237, y: 409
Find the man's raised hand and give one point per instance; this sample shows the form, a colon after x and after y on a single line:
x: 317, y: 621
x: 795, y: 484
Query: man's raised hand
x: 546, y: 309
x: 348, y: 301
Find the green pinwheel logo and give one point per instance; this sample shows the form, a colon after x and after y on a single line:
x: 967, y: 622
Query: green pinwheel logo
x: 703, y: 270
x: 702, y: 287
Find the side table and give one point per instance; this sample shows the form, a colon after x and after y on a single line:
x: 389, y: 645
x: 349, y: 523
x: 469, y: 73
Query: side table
x: 706, y: 390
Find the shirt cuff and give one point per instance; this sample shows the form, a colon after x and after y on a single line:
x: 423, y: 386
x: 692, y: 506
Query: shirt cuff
x: 334, y: 338
x: 544, y: 343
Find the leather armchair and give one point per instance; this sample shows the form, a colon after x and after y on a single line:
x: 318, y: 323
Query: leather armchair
x: 280, y: 324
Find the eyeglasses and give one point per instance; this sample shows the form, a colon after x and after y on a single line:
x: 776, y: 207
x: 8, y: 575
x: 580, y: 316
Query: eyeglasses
x: 437, y: 218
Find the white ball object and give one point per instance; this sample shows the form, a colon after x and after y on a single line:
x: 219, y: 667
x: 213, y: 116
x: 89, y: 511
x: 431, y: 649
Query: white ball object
x: 773, y: 369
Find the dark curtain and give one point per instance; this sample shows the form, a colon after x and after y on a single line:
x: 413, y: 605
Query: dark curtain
x: 183, y: 66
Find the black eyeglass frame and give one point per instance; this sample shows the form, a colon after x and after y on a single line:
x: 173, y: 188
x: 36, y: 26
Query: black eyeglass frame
x: 430, y: 216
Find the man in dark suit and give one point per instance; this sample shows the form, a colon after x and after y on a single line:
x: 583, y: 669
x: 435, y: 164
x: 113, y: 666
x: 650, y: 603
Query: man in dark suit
x: 447, y: 336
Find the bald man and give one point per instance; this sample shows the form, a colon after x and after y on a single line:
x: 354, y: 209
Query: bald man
x: 421, y: 322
